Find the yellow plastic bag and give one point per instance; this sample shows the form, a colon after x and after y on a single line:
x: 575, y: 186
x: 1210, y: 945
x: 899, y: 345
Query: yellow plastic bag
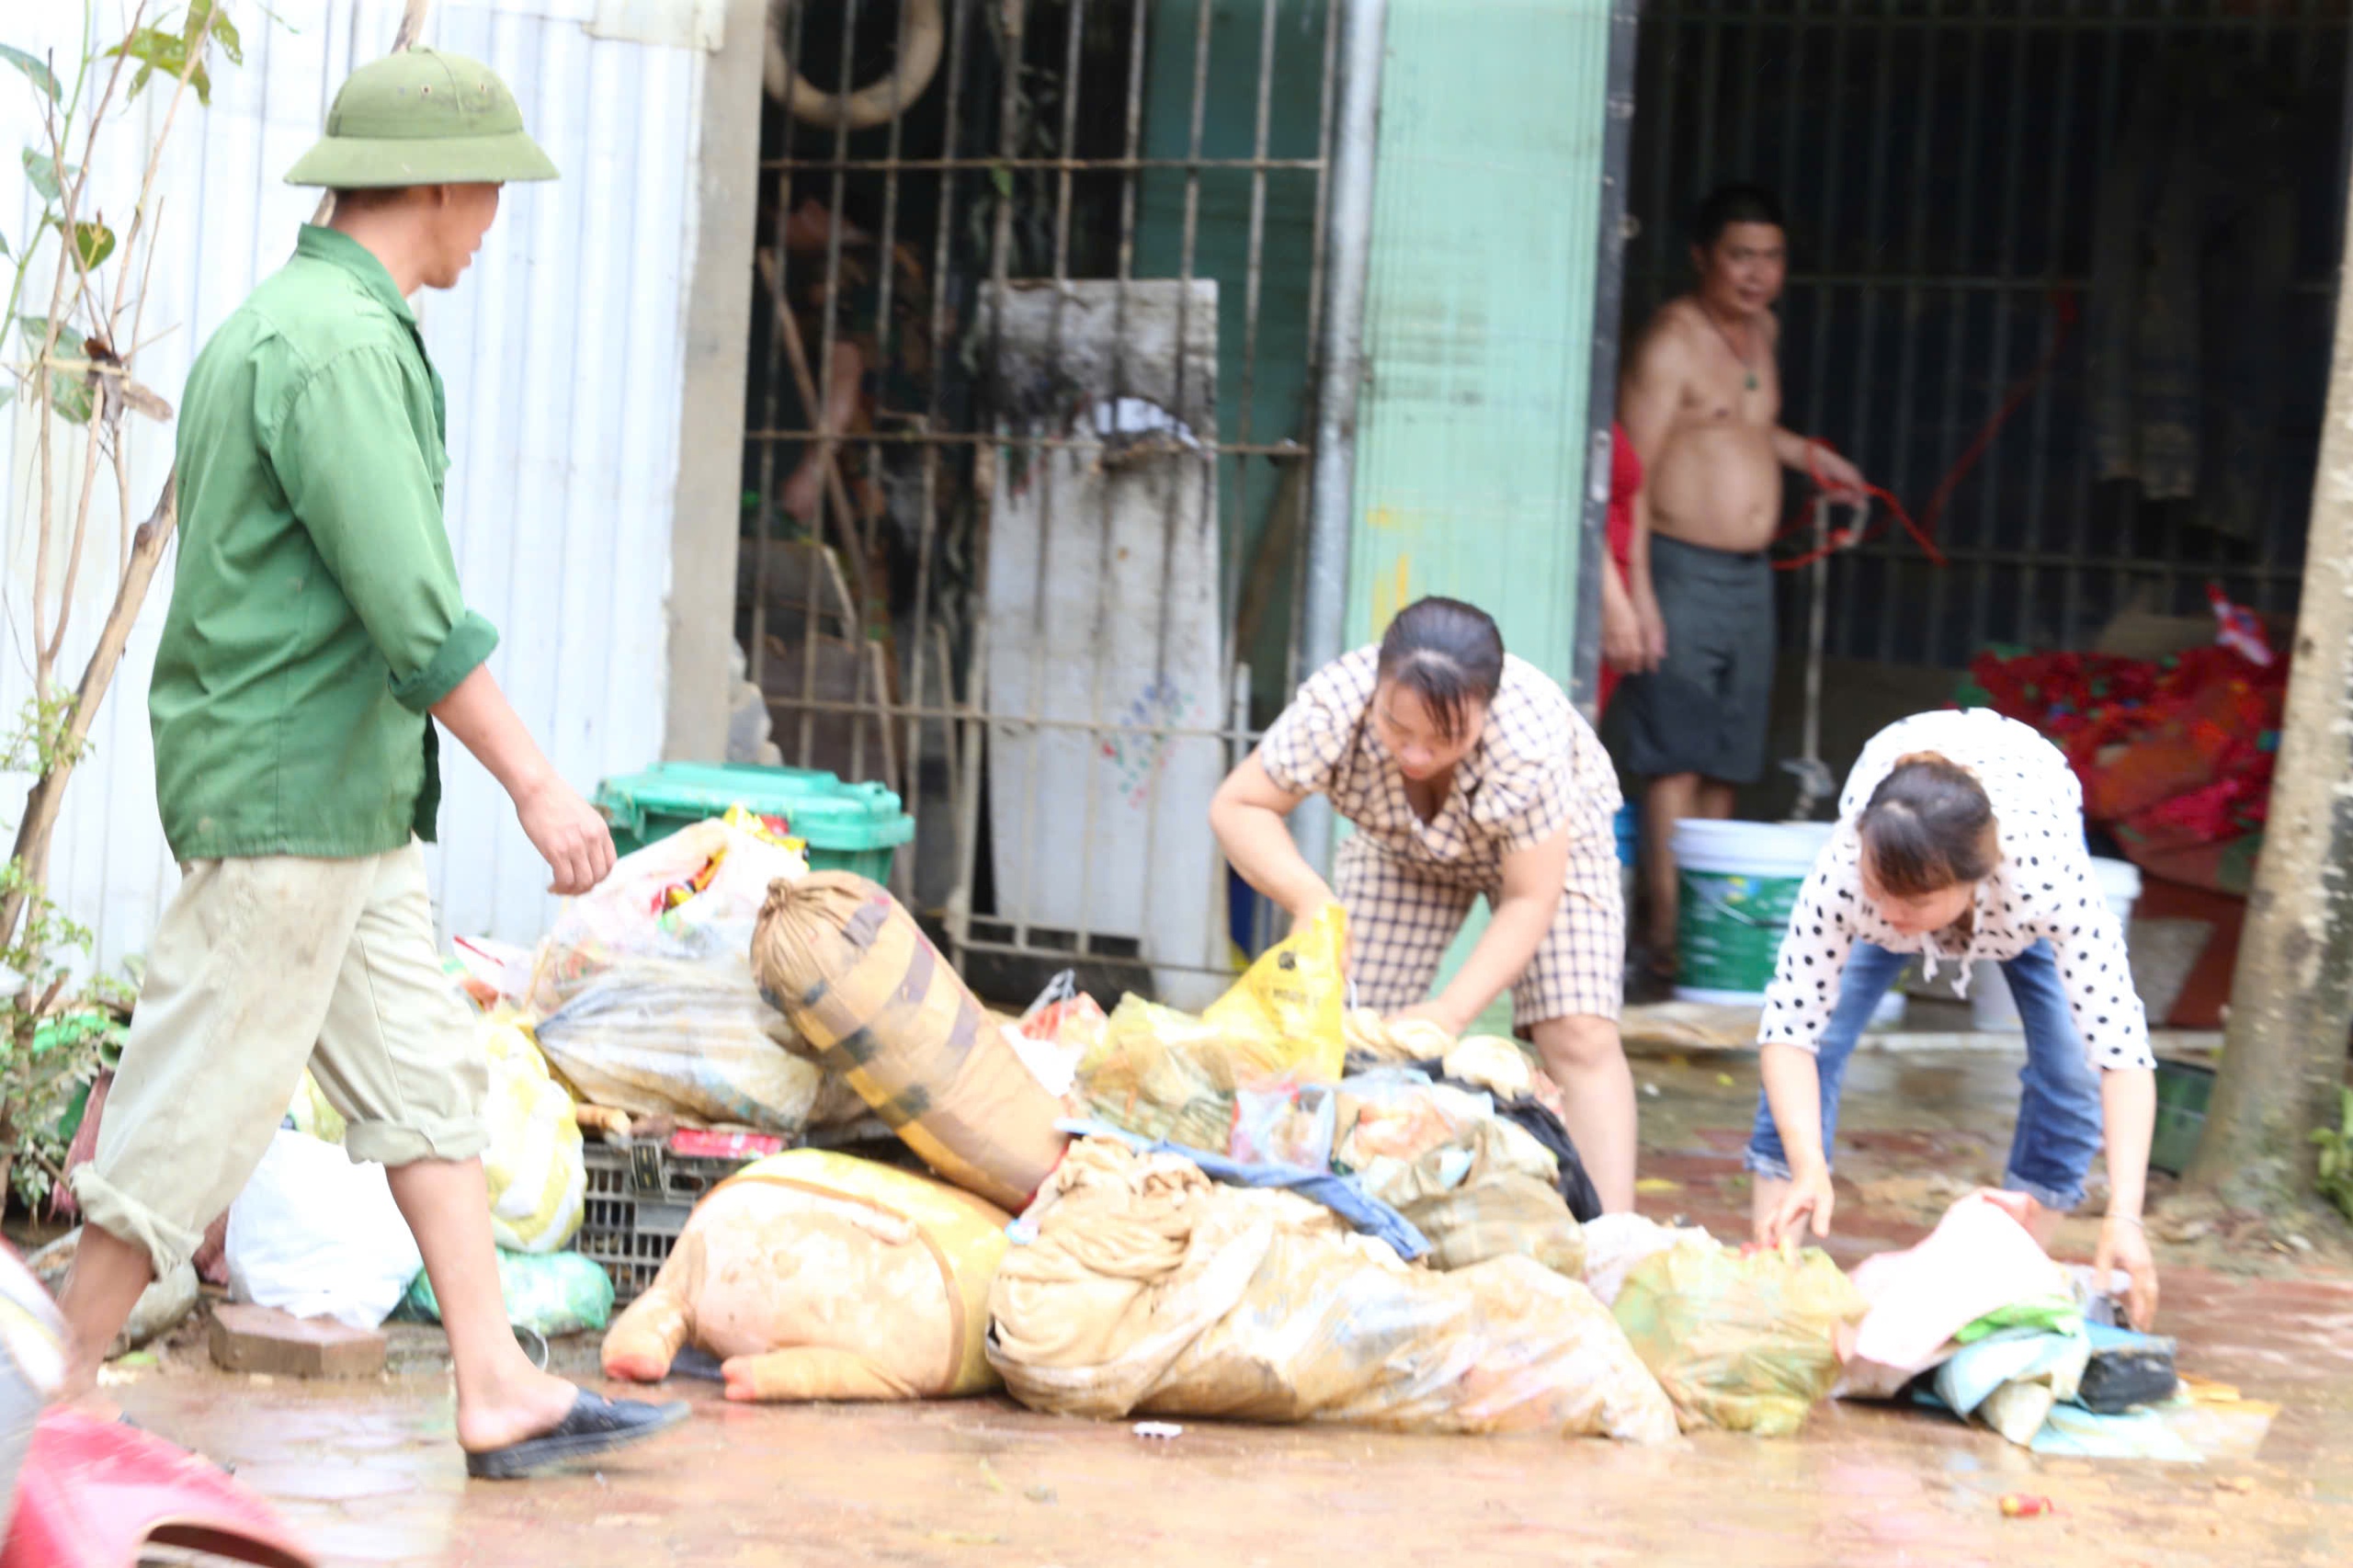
x: 537, y: 1175
x: 1288, y: 1012
x: 1747, y: 1341
x: 1162, y: 1074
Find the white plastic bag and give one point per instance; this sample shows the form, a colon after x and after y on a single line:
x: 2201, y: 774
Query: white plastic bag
x: 650, y: 1007
x: 316, y: 1235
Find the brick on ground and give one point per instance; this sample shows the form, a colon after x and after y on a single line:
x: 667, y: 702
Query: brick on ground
x: 263, y: 1339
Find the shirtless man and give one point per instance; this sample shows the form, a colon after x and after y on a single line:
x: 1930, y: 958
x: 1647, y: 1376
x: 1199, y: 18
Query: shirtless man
x: 1701, y: 401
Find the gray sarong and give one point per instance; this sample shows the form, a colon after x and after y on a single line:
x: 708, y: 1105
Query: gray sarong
x: 1705, y: 709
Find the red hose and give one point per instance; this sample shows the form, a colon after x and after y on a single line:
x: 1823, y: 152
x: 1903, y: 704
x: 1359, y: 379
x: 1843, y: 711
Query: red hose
x: 2063, y: 304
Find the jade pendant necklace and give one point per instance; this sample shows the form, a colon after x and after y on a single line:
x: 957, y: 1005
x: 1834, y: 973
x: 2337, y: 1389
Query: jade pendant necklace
x: 1730, y: 347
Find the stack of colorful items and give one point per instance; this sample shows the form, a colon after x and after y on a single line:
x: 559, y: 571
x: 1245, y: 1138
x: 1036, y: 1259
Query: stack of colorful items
x: 773, y: 831
x: 2175, y: 753
x: 1978, y: 1320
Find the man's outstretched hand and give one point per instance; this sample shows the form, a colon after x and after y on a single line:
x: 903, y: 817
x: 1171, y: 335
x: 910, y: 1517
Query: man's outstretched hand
x: 570, y: 835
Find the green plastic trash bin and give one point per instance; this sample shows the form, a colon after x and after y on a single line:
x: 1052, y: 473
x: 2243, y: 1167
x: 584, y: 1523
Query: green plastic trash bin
x: 849, y: 827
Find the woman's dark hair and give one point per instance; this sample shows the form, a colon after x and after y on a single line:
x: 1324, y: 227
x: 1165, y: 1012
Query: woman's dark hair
x: 1449, y: 655
x: 1929, y: 826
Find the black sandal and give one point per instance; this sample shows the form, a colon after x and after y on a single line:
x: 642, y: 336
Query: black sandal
x: 594, y: 1426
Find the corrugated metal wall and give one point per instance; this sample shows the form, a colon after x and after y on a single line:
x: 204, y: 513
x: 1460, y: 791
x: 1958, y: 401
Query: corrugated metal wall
x: 564, y: 355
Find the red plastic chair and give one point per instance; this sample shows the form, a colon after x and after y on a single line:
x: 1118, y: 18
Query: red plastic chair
x: 92, y: 1492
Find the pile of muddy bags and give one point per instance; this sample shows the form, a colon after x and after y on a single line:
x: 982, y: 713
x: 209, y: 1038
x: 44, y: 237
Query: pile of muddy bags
x: 816, y: 1276
x: 1139, y: 1286
x: 643, y: 993
x: 1165, y: 1075
x: 1475, y: 1184
x: 1747, y: 1339
x: 872, y: 1000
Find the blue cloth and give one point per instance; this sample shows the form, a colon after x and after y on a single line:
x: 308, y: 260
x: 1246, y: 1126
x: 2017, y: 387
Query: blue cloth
x: 1970, y: 1377
x: 1340, y: 1194
x: 2059, y: 1107
x: 2077, y: 1433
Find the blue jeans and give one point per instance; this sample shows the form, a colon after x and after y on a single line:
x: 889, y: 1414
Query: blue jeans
x: 2059, y: 1104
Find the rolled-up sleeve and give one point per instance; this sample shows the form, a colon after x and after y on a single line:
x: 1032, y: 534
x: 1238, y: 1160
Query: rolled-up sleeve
x: 364, y: 482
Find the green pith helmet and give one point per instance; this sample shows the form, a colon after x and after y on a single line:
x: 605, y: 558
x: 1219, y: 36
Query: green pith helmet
x: 422, y: 117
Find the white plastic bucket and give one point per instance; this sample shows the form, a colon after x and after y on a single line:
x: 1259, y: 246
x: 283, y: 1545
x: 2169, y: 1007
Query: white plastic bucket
x: 1992, y: 1008
x: 1737, y: 883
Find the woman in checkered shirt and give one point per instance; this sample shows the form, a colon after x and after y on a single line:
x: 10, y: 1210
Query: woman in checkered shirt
x: 1466, y: 774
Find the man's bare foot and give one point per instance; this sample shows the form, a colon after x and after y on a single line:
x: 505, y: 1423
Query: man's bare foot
x: 526, y: 1405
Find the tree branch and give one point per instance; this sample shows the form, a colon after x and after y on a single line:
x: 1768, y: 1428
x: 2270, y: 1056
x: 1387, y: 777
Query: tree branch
x: 48, y: 656
x: 47, y: 797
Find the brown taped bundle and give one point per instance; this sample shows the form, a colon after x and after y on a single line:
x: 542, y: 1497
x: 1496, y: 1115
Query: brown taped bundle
x: 873, y: 1000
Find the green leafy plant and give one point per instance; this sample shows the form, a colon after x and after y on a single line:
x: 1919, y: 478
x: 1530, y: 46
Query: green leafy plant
x: 2336, y: 1167
x: 179, y: 53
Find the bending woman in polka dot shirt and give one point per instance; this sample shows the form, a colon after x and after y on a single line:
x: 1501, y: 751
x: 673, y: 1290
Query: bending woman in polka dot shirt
x: 1960, y: 837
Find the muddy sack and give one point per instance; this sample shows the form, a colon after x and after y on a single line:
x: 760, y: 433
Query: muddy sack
x: 873, y: 1001
x: 815, y: 1274
x: 1148, y: 1291
x: 1746, y: 1340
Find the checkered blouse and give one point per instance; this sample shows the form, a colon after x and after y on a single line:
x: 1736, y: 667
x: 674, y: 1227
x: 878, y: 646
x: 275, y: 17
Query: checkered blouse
x: 1538, y: 766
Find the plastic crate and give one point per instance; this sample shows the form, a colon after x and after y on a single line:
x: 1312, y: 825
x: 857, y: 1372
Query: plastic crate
x: 639, y: 1198
x: 2183, y: 1090
x: 847, y: 827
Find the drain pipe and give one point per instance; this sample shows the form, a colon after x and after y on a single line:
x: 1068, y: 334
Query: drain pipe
x: 1339, y: 359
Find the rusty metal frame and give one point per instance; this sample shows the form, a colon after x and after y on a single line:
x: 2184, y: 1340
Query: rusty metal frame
x: 925, y: 699
x: 1915, y: 320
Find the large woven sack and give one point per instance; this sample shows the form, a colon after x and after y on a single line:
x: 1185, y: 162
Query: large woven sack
x: 815, y: 1274
x: 872, y: 998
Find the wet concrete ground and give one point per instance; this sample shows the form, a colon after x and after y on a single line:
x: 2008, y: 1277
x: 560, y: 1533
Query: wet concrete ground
x: 370, y: 1475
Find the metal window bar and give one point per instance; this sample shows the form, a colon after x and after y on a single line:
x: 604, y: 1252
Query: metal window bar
x: 1087, y: 151
x: 1932, y: 232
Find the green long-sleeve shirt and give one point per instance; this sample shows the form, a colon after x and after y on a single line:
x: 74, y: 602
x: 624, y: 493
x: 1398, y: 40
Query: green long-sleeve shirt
x: 315, y: 617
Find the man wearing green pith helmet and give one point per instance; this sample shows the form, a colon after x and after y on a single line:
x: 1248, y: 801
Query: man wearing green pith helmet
x: 316, y: 633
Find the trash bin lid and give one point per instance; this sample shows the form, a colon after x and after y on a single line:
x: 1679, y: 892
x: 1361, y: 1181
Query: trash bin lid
x: 820, y: 809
